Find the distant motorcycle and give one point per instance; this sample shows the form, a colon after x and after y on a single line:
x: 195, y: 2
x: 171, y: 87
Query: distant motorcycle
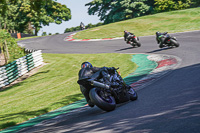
x: 134, y: 41
x: 170, y: 41
x: 104, y: 96
x: 82, y: 26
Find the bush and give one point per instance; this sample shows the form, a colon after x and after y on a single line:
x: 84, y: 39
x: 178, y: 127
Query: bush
x: 169, y: 5
x: 195, y: 3
x: 14, y: 50
x: 78, y: 27
x: 44, y: 33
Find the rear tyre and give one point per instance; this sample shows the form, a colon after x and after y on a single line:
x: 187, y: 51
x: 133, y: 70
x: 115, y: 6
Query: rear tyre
x: 105, y: 103
x: 175, y: 43
x: 133, y: 94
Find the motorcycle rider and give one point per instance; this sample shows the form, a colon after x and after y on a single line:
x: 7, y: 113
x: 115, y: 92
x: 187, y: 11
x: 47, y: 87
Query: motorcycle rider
x: 127, y: 36
x: 87, y: 70
x: 82, y: 26
x: 160, y: 37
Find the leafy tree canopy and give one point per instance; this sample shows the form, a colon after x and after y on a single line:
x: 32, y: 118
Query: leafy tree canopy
x: 19, y: 14
x: 169, y: 5
x: 117, y: 10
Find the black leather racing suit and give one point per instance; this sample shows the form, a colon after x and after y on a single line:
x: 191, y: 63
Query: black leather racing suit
x: 88, y: 72
x: 127, y: 36
x: 160, y: 38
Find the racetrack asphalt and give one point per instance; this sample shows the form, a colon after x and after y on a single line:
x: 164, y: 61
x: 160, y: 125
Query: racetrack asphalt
x: 171, y: 104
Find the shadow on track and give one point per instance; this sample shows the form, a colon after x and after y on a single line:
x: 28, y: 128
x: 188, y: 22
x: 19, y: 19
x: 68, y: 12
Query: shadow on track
x: 124, y: 49
x: 157, y: 50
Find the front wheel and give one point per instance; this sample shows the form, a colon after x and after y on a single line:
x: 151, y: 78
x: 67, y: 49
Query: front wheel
x: 133, y: 94
x: 138, y: 44
x: 175, y: 43
x: 136, y: 41
x: 106, y: 103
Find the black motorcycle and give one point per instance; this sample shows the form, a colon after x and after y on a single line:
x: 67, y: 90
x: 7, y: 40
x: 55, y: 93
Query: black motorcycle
x: 134, y: 41
x: 106, y: 96
x: 170, y: 41
x: 82, y: 26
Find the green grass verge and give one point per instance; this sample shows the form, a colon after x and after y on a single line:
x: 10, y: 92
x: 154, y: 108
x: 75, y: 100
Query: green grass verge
x: 53, y: 86
x: 174, y: 21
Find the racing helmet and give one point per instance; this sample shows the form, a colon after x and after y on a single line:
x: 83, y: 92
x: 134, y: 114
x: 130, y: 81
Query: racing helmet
x: 157, y: 32
x: 86, y: 64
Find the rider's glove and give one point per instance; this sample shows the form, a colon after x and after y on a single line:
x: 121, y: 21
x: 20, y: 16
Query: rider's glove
x: 112, y: 69
x: 104, y: 68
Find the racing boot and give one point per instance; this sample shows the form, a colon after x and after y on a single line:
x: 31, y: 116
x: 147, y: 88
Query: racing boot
x: 86, y: 94
x: 90, y: 103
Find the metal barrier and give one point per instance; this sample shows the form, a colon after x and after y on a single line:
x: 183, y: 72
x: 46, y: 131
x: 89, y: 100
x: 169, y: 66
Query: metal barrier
x: 20, y: 35
x: 19, y: 67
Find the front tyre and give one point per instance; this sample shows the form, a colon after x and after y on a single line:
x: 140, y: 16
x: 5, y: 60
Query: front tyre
x: 133, y: 94
x: 161, y: 46
x: 137, y: 42
x: 175, y: 43
x: 98, y: 98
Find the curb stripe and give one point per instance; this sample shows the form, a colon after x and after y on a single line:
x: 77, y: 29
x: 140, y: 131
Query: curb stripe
x: 70, y: 38
x: 164, y: 67
x: 167, y: 62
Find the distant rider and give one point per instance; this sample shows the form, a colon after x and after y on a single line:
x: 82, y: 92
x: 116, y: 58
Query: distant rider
x: 82, y: 26
x: 127, y: 36
x: 160, y: 37
x: 87, y: 70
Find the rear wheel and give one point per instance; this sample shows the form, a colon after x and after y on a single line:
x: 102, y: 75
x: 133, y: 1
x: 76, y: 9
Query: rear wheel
x: 138, y: 43
x: 99, y: 98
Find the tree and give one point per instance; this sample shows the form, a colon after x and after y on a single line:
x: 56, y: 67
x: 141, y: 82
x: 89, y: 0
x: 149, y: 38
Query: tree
x: 169, y: 5
x: 89, y: 26
x: 195, y: 3
x: 49, y: 11
x: 117, y: 10
x: 9, y: 48
x: 20, y: 14
x: 3, y: 8
x: 8, y: 13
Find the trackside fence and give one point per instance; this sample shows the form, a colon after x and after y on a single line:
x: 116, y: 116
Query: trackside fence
x: 19, y: 67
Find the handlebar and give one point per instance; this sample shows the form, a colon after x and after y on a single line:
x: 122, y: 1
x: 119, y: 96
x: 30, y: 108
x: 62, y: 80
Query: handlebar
x: 165, y: 33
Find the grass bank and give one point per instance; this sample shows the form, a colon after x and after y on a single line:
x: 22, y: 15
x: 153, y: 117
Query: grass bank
x: 174, y: 21
x: 53, y: 86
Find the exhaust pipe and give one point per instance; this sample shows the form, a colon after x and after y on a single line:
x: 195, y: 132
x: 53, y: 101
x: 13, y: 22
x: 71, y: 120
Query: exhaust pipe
x: 101, y: 85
